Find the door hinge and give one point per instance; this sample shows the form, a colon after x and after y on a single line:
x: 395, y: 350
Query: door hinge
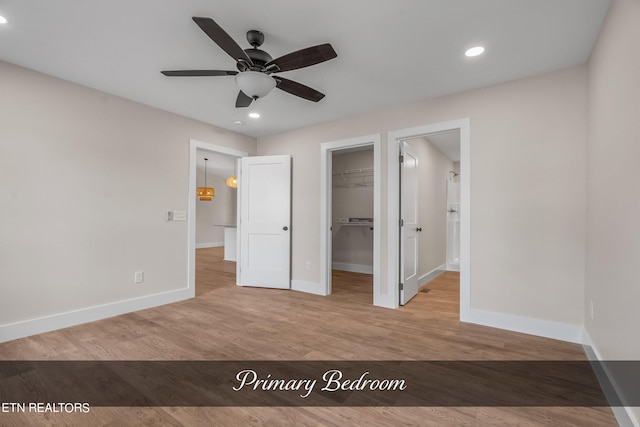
x: 402, y: 223
x: 401, y: 158
x: 402, y: 286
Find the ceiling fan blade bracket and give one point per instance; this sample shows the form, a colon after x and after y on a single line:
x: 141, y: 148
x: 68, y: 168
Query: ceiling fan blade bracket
x: 273, y: 68
x: 243, y: 65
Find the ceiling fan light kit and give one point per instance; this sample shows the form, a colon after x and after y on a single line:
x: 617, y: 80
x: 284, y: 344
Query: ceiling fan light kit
x: 255, y: 84
x: 255, y: 66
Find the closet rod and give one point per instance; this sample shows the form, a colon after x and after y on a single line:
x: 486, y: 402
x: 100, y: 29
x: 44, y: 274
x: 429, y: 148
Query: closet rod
x: 351, y: 171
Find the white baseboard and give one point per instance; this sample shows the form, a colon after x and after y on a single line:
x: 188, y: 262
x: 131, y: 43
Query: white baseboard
x: 624, y: 414
x: 354, y: 268
x: 423, y: 280
x: 452, y: 267
x: 525, y: 325
x: 209, y: 245
x: 308, y: 287
x: 40, y: 325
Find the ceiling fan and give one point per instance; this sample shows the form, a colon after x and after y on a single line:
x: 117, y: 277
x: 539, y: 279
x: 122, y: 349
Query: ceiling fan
x: 256, y: 67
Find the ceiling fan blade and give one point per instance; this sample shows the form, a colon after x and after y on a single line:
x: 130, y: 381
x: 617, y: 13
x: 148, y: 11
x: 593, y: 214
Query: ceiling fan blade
x: 222, y: 39
x: 243, y: 100
x: 298, y: 89
x: 304, y: 58
x: 198, y: 73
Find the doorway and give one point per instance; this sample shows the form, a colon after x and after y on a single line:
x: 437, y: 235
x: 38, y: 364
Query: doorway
x: 396, y: 266
x: 352, y: 210
x: 199, y: 149
x: 352, y: 215
x: 216, y: 248
x: 330, y: 222
x: 434, y: 248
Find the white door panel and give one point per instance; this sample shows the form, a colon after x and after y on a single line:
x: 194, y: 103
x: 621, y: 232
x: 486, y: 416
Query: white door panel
x: 265, y: 221
x: 409, y: 231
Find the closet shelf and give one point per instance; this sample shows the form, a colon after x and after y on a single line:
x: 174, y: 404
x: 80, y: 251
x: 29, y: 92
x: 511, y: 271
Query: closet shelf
x: 353, y: 178
x: 361, y: 225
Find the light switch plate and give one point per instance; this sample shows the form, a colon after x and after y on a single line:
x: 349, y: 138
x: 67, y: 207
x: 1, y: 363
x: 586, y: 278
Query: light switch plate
x: 179, y: 215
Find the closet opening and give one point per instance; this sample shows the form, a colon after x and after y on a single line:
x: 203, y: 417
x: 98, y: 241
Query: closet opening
x: 352, y: 193
x: 350, y: 231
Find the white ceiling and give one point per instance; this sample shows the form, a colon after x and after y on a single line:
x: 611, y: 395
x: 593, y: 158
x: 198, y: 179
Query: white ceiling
x: 389, y: 52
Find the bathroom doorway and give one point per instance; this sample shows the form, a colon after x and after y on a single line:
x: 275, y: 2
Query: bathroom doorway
x: 394, y: 141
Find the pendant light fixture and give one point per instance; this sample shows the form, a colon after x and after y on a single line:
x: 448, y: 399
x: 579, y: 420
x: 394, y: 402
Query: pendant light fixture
x: 232, y: 182
x: 205, y: 193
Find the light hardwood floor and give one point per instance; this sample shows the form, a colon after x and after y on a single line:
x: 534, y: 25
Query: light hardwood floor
x: 226, y: 322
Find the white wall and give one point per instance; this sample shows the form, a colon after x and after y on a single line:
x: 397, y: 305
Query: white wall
x: 613, y: 232
x: 221, y: 210
x: 433, y: 169
x: 86, y: 181
x: 352, y: 245
x: 527, y: 224
x: 613, y: 204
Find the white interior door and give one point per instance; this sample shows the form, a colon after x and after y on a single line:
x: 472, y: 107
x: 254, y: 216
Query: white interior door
x: 264, y: 226
x: 409, y: 229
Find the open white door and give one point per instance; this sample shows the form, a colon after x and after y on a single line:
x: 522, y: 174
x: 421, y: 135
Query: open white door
x: 265, y: 221
x: 409, y: 227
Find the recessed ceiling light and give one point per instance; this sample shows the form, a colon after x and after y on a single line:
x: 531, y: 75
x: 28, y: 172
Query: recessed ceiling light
x: 254, y: 115
x: 3, y: 20
x: 474, y: 51
x: 237, y: 122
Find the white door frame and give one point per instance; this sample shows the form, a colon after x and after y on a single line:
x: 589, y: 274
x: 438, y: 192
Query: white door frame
x: 393, y: 203
x: 326, y: 151
x: 194, y: 146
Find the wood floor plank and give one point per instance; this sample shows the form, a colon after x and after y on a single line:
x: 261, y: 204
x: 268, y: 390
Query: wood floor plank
x: 227, y: 322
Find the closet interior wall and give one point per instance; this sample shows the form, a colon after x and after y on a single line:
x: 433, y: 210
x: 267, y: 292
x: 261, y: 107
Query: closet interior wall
x: 352, y: 210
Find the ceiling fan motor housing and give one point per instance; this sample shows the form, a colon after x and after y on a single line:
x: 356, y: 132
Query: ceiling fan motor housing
x: 258, y: 57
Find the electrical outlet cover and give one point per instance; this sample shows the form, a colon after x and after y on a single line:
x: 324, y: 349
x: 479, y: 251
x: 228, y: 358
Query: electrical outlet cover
x: 138, y: 277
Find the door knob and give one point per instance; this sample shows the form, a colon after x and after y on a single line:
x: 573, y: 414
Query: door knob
x: 285, y: 228
x: 419, y: 229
